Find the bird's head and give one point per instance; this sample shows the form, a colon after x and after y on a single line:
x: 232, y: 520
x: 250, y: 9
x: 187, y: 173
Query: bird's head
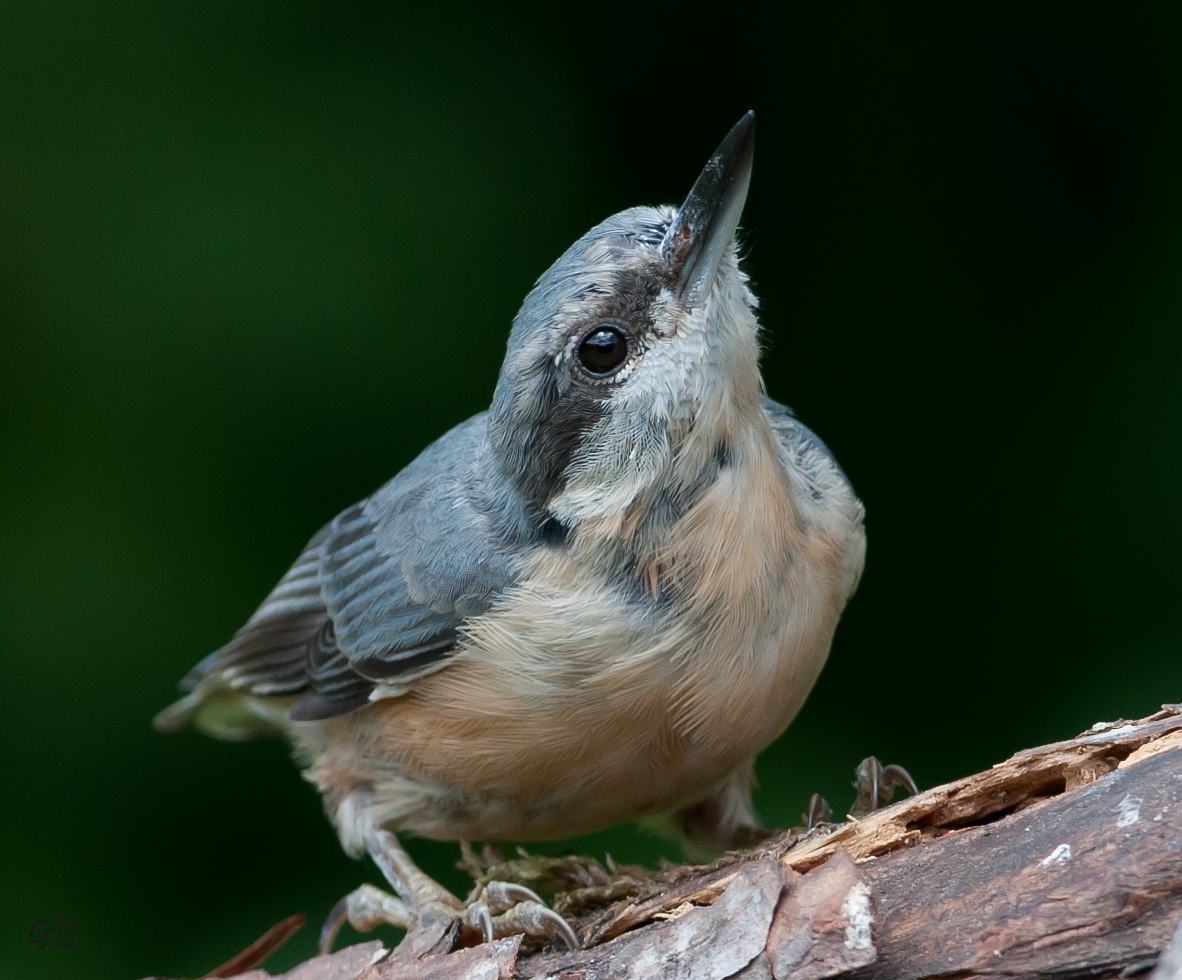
x: 634, y: 362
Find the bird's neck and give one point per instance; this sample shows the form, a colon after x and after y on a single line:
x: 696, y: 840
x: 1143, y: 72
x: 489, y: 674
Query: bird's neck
x: 736, y: 461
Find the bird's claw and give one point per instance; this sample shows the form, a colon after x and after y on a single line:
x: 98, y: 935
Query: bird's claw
x: 535, y: 919
x: 876, y: 785
x: 503, y: 895
x: 493, y: 898
x: 499, y: 909
x: 502, y: 908
x: 429, y: 912
x: 364, y: 908
x: 819, y: 812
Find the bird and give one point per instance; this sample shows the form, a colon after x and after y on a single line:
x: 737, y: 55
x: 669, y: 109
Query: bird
x: 595, y: 602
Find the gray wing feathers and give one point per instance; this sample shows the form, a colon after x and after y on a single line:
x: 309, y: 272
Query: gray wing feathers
x: 832, y: 497
x: 378, y: 594
x: 404, y: 568
x: 808, y: 454
x: 268, y: 655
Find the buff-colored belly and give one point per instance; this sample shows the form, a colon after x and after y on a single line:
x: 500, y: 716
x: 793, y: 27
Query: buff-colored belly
x: 569, y: 708
x: 472, y: 752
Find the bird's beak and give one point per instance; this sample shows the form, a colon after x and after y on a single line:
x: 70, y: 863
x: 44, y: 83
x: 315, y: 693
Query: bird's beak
x: 695, y: 242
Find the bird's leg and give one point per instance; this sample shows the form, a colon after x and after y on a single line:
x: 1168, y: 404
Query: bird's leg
x: 876, y: 784
x: 424, y: 906
x: 422, y: 892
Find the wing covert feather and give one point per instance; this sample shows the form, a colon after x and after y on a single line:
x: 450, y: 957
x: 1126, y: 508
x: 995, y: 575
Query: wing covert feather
x: 404, y: 568
x: 379, y: 594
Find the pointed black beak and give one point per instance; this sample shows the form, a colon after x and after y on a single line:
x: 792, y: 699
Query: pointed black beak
x: 706, y: 223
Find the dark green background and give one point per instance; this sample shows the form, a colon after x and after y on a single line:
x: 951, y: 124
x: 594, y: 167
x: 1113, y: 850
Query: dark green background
x: 253, y: 257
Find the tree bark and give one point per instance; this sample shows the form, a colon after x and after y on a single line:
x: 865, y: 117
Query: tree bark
x: 1063, y: 861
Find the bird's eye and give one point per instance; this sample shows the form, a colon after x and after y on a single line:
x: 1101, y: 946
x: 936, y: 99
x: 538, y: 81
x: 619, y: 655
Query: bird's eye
x: 603, y: 350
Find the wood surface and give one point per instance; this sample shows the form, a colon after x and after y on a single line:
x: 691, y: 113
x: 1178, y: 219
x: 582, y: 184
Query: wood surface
x: 1063, y: 861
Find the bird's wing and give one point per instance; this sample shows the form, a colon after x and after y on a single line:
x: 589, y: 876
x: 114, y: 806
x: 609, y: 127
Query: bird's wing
x: 833, y: 500
x: 810, y: 457
x: 378, y: 595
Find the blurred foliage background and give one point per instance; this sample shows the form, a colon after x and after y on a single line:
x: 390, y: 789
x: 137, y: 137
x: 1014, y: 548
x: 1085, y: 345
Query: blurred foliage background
x: 253, y: 257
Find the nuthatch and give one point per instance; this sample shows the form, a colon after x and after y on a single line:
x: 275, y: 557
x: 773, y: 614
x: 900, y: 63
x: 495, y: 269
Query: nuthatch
x: 595, y: 602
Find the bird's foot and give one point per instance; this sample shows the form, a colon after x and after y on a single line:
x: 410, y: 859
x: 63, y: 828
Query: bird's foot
x: 876, y: 785
x: 504, y: 908
x: 819, y: 812
x: 364, y: 909
x: 432, y: 915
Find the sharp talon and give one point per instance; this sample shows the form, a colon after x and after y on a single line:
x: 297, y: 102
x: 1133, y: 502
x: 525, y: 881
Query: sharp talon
x: 559, y: 925
x: 364, y: 908
x: 506, y: 894
x: 898, y: 776
x: 876, y: 785
x: 332, y: 925
x: 535, y: 919
x: 486, y: 923
x: 499, y: 908
x: 819, y: 811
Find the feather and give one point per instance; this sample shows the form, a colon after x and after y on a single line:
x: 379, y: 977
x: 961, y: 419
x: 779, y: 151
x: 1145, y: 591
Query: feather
x: 377, y: 597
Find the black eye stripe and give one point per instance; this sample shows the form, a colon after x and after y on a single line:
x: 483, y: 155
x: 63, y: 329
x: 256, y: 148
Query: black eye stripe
x: 603, y: 350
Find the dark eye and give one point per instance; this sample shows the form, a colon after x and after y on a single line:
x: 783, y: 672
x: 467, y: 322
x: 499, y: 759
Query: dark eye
x: 603, y: 350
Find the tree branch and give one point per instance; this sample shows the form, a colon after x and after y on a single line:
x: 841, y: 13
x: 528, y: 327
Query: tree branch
x: 1063, y: 861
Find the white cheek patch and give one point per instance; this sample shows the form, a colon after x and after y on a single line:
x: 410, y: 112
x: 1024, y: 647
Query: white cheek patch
x: 618, y: 463
x: 624, y: 454
x: 686, y: 378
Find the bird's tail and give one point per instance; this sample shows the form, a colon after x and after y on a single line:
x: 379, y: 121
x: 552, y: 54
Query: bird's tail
x: 231, y: 715
x: 180, y: 714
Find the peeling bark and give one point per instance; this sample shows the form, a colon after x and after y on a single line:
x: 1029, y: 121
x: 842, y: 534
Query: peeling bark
x: 1063, y: 861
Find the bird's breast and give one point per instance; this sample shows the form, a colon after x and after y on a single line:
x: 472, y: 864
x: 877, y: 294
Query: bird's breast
x: 573, y: 704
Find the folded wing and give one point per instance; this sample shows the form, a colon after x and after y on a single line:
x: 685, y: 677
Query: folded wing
x: 376, y: 598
